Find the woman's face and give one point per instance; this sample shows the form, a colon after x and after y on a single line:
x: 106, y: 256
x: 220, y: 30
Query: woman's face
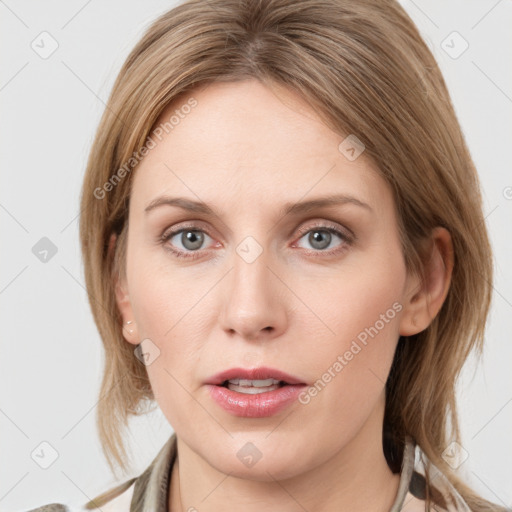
x: 316, y: 293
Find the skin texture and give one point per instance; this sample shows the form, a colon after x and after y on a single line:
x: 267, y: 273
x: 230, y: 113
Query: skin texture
x: 246, y: 151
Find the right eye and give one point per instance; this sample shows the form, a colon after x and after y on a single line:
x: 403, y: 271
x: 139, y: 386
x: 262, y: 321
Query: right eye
x: 185, y: 242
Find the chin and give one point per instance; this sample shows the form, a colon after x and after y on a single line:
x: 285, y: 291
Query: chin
x: 254, y: 458
x: 262, y: 471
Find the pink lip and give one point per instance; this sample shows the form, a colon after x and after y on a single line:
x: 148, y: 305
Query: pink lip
x: 254, y: 406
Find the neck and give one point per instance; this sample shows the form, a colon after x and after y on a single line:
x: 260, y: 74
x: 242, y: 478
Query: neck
x: 357, y: 478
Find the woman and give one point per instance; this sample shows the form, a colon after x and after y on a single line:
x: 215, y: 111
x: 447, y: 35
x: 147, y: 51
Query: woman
x: 284, y: 248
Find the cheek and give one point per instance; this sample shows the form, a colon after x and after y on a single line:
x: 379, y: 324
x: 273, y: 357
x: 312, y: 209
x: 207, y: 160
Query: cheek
x: 169, y: 309
x: 164, y: 314
x: 169, y: 315
x: 360, y: 306
x: 162, y: 297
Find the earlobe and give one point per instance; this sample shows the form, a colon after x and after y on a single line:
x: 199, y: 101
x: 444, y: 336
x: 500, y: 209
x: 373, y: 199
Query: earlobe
x: 130, y: 332
x: 122, y: 296
x: 428, y: 295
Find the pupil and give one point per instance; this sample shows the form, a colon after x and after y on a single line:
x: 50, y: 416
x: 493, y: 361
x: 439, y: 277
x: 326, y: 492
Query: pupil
x: 192, y: 239
x: 316, y: 239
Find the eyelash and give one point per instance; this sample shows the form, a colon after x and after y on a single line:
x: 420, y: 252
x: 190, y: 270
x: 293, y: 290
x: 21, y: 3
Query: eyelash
x: 347, y: 239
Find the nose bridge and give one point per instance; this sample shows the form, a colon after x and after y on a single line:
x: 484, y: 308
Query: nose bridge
x: 251, y: 273
x: 252, y: 306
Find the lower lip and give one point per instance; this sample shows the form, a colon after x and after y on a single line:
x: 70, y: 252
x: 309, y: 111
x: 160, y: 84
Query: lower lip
x: 261, y: 405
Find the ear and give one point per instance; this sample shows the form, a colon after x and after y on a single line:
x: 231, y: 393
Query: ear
x: 425, y: 298
x: 124, y: 305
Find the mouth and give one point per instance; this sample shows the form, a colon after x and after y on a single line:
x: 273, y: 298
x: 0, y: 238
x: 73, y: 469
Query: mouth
x: 253, y: 386
x: 255, y: 393
x: 254, y: 378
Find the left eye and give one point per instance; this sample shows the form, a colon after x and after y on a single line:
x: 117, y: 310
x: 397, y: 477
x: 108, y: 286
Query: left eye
x: 321, y: 238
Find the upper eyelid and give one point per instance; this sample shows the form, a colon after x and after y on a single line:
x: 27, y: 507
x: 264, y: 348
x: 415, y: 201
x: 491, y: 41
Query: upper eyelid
x: 197, y: 223
x: 328, y: 225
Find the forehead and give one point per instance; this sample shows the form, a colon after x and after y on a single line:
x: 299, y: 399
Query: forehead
x: 242, y: 141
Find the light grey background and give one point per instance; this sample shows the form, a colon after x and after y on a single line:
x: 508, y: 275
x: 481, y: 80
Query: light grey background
x: 51, y: 355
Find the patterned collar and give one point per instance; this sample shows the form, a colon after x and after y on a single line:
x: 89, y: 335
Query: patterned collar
x: 149, y: 491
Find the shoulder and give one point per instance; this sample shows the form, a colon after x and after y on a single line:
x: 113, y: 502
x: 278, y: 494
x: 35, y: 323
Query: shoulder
x: 412, y: 504
x: 149, y: 487
x: 428, y: 488
x: 55, y: 507
x: 115, y: 500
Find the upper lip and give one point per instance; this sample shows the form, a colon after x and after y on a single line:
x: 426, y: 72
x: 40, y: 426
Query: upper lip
x: 260, y: 373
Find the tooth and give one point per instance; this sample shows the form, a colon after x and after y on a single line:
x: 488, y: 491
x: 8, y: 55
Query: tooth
x: 264, y: 383
x: 251, y: 390
x: 259, y: 383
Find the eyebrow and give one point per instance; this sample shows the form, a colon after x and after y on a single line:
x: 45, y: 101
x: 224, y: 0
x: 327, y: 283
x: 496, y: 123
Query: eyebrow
x: 292, y: 208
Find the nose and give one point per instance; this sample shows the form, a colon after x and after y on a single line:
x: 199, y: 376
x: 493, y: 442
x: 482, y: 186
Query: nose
x: 254, y: 298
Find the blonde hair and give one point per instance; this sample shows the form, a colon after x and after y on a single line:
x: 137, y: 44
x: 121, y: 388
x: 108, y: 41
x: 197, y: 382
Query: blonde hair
x: 365, y: 69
